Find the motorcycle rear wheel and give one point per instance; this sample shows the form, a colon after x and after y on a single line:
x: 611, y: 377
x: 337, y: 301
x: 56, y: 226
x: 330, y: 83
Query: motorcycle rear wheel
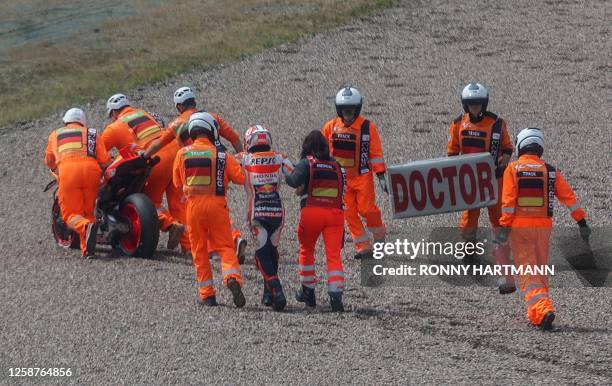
x: 140, y: 214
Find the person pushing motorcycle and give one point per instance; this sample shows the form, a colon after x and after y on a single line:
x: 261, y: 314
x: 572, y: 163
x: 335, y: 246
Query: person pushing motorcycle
x: 76, y: 154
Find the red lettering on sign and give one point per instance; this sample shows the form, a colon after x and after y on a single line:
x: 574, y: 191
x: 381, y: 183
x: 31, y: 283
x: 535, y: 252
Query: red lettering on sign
x: 468, y: 197
x: 400, y: 199
x: 416, y: 176
x: 450, y: 172
x: 485, y: 180
x: 438, y: 200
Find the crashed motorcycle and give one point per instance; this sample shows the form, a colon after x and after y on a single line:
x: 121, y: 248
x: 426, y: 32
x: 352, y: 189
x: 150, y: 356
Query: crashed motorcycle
x: 127, y: 218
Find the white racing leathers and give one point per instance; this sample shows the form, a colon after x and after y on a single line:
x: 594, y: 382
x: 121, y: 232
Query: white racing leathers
x: 266, y: 214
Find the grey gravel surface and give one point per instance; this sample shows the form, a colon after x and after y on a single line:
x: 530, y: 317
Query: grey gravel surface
x: 133, y: 321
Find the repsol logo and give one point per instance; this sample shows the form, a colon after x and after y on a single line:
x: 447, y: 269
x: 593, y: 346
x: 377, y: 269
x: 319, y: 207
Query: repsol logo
x: 324, y: 166
x: 263, y: 161
x: 529, y: 174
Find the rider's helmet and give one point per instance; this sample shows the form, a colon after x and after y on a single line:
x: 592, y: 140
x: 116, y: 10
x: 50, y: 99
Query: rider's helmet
x: 75, y: 115
x: 202, y: 123
x: 183, y: 94
x: 475, y: 94
x: 530, y: 139
x: 348, y: 97
x: 116, y: 102
x: 257, y: 135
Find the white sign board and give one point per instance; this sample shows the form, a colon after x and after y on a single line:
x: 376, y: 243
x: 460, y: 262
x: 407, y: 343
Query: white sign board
x: 442, y: 185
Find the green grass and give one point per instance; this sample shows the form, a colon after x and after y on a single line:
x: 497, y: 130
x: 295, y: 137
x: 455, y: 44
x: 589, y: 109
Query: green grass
x: 154, y: 44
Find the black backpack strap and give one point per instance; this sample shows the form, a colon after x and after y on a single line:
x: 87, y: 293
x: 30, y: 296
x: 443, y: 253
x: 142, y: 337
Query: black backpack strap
x: 364, y: 152
x: 551, y: 175
x: 495, y: 144
x: 220, y: 173
x: 92, y: 138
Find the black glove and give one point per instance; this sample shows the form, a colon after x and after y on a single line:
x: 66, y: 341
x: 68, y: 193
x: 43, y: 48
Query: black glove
x: 585, y: 231
x: 382, y: 181
x: 502, y: 236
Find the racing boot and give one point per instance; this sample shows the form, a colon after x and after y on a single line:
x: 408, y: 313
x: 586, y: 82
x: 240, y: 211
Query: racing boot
x: 234, y: 287
x: 335, y: 301
x: 90, y: 240
x: 210, y: 301
x: 266, y: 299
x: 306, y: 295
x: 365, y: 254
x: 174, y: 235
x: 547, y: 322
x: 240, y: 245
x: 278, y: 296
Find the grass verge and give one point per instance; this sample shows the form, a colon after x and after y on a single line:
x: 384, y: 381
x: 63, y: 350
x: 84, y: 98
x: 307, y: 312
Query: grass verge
x: 151, y: 43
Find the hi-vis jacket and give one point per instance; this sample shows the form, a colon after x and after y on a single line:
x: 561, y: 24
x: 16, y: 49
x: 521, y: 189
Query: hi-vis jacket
x: 324, y: 182
x: 74, y: 142
x: 200, y: 169
x: 132, y: 126
x: 490, y: 134
x: 178, y: 129
x: 357, y: 148
x: 263, y: 175
x: 530, y: 186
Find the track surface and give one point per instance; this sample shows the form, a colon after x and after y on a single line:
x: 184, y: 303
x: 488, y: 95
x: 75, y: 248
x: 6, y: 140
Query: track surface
x: 117, y: 320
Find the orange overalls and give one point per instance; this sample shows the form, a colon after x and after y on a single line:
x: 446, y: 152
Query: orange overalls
x: 527, y: 206
x: 77, y: 154
x: 322, y: 214
x: 177, y: 129
x: 490, y: 134
x: 197, y: 169
x: 137, y: 126
x: 358, y: 150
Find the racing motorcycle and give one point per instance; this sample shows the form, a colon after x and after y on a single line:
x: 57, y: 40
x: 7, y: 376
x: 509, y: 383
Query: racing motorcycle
x: 127, y: 218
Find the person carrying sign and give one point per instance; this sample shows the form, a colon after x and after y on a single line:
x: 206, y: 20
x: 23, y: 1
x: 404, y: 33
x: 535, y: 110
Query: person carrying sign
x: 530, y: 186
x: 477, y: 130
x: 355, y: 144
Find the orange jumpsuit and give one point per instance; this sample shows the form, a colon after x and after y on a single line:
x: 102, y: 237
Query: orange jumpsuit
x: 324, y: 183
x: 529, y: 188
x: 78, y: 172
x: 137, y: 126
x: 177, y: 129
x: 196, y: 170
x: 467, y: 137
x: 358, y: 150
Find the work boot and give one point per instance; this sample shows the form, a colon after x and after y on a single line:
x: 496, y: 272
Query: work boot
x: 234, y: 287
x: 506, y: 286
x: 306, y: 295
x: 210, y: 301
x: 366, y: 254
x: 174, y: 235
x: 241, y: 245
x: 278, y: 297
x: 335, y: 301
x: 90, y: 240
x: 266, y: 299
x: 547, y: 322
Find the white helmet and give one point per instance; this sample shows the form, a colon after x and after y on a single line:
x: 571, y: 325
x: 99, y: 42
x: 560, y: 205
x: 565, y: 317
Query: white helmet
x: 257, y: 135
x: 475, y: 93
x: 203, y: 123
x: 116, y: 102
x: 183, y: 94
x: 529, y: 138
x: 348, y: 97
x: 75, y: 115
